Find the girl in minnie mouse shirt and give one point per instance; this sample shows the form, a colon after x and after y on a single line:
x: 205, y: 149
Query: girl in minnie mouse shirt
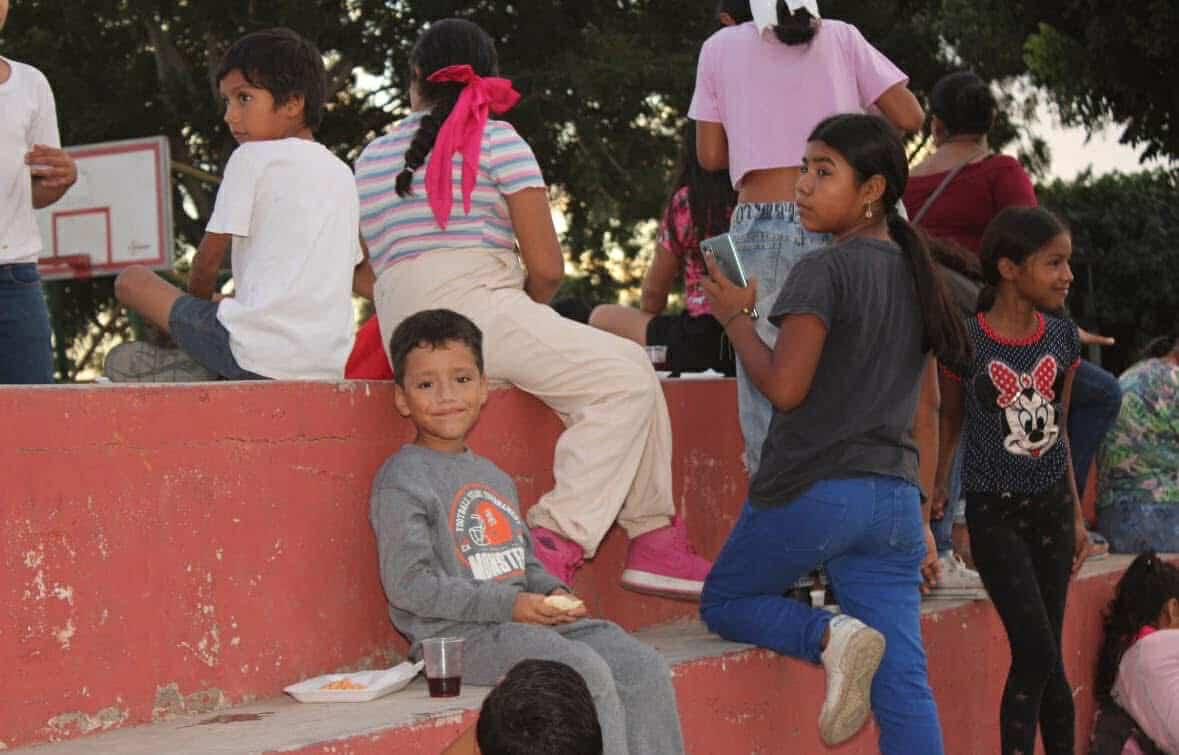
x: 1022, y: 508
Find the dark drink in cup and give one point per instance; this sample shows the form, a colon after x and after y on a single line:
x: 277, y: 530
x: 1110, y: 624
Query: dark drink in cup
x: 444, y: 665
x: 446, y: 686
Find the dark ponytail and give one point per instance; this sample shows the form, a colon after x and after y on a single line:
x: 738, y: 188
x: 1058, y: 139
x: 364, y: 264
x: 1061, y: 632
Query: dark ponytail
x: 872, y: 148
x: 795, y: 28
x: 1015, y: 234
x: 1139, y: 598
x: 452, y: 41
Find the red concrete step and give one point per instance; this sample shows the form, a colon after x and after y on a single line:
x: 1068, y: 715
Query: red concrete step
x: 172, y: 549
x: 732, y: 698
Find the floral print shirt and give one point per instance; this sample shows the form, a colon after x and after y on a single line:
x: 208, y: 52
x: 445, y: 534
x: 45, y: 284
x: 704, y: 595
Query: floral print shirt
x: 1140, y: 456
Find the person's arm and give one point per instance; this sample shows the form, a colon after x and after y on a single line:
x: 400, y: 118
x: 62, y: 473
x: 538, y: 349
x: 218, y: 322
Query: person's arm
x: 712, y: 146
x: 411, y: 575
x: 900, y: 108
x: 925, y: 434
x: 363, y: 277
x: 660, y: 277
x: 784, y: 375
x: 53, y: 171
x: 1081, y: 544
x: 532, y: 220
x: 950, y: 410
x: 202, y: 278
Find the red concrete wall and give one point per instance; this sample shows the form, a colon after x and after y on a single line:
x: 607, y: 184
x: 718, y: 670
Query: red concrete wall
x: 171, y: 549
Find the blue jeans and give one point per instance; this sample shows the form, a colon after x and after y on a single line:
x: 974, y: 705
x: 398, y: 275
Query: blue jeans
x: 955, y: 507
x: 769, y: 239
x: 1132, y: 524
x: 1096, y: 401
x: 194, y: 327
x: 26, y: 348
x: 868, y: 531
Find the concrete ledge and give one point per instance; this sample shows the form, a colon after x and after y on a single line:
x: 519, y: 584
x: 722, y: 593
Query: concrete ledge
x: 182, y: 549
x: 732, y: 698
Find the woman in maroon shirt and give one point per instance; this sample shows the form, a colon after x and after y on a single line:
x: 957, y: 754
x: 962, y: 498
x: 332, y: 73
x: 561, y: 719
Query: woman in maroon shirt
x: 963, y: 111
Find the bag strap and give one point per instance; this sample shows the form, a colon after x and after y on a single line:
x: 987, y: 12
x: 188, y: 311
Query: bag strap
x: 942, y: 187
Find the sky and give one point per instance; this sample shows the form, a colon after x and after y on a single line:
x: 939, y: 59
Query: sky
x: 1071, y: 153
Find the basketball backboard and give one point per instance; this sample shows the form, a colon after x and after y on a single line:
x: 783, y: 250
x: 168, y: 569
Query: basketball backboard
x: 119, y: 213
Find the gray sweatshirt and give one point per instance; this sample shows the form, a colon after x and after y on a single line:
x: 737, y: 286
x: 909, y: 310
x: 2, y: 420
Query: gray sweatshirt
x: 453, y: 548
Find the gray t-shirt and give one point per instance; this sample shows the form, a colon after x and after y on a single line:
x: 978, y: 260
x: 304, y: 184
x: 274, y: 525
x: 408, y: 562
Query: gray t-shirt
x: 454, y: 550
x: 857, y: 418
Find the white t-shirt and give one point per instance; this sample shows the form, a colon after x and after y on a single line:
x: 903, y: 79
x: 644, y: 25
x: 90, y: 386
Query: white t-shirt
x: 292, y: 209
x: 27, y: 117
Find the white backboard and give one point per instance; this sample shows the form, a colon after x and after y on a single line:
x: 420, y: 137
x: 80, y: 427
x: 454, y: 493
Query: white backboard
x: 119, y: 213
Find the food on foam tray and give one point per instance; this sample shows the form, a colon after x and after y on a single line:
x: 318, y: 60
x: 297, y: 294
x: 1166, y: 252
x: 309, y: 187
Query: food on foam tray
x: 344, y: 684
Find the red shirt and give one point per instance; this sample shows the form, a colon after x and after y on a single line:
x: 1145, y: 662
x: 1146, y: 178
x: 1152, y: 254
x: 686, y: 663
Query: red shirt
x: 976, y: 195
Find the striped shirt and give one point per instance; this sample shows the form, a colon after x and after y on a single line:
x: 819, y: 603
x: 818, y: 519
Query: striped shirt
x: 397, y: 229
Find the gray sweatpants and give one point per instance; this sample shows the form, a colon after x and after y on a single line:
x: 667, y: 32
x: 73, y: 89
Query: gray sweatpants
x: 630, y: 682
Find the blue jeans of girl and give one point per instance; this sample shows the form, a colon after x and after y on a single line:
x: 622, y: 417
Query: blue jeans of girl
x: 869, y: 534
x: 26, y: 350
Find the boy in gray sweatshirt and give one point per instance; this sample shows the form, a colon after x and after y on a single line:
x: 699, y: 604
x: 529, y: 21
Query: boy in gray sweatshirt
x: 457, y: 559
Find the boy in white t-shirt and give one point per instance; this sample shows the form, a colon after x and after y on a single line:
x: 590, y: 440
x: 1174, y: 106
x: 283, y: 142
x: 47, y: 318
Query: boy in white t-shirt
x: 290, y: 210
x: 34, y: 173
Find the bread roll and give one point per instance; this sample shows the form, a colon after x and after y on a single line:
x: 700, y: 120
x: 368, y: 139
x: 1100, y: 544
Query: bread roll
x: 564, y: 602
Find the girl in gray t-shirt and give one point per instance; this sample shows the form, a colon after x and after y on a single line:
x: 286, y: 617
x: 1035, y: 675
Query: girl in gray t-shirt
x: 838, y: 483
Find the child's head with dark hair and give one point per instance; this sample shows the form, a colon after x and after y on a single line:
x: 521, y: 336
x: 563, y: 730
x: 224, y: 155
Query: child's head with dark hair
x: 449, y: 42
x: 730, y: 12
x: 438, y: 368
x: 1017, y: 243
x: 1147, y: 595
x: 284, y: 64
x: 540, y: 708
x: 963, y: 103
x: 853, y: 175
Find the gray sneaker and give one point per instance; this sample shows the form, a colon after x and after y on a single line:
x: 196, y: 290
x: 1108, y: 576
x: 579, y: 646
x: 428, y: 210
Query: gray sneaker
x: 957, y: 582
x: 144, y: 362
x: 853, y: 654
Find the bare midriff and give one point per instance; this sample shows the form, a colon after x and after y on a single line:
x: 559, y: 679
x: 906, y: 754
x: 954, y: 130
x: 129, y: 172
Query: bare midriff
x: 769, y: 185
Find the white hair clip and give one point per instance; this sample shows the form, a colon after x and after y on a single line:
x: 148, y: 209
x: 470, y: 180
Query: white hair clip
x: 765, y: 12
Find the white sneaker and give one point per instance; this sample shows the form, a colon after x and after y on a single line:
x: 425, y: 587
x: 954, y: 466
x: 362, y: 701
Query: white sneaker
x: 957, y: 582
x: 853, y: 654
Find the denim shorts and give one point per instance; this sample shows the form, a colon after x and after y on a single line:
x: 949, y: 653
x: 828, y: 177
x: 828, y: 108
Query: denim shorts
x: 195, y: 329
x: 769, y: 238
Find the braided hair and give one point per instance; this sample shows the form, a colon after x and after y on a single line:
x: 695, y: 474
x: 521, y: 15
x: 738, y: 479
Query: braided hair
x: 452, y: 41
x: 1139, y: 598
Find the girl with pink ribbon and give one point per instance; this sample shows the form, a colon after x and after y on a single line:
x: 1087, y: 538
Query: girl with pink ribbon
x: 473, y: 232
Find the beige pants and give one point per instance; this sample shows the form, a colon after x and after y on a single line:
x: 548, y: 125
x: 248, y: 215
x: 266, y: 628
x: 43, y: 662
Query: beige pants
x: 614, y: 459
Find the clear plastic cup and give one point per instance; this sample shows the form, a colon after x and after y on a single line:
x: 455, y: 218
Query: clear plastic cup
x: 658, y: 356
x: 444, y: 665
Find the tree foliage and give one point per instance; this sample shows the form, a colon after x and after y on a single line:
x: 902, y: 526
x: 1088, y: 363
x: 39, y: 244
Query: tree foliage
x: 606, y: 86
x: 1124, y: 229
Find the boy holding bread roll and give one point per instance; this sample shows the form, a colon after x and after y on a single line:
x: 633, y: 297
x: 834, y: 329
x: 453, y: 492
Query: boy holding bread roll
x: 457, y: 559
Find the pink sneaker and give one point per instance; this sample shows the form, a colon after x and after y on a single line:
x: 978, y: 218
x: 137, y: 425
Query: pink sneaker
x: 559, y: 555
x: 663, y: 562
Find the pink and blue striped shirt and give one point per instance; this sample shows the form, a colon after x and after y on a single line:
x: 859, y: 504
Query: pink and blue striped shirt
x: 397, y: 229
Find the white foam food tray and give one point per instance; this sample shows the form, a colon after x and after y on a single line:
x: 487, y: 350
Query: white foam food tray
x: 376, y: 684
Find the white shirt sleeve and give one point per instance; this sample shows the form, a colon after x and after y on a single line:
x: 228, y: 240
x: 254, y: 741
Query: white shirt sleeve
x: 234, y: 207
x: 43, y: 128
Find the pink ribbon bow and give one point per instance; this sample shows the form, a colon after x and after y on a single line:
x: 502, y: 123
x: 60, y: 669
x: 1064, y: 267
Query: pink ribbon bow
x: 1011, y: 383
x: 463, y: 132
